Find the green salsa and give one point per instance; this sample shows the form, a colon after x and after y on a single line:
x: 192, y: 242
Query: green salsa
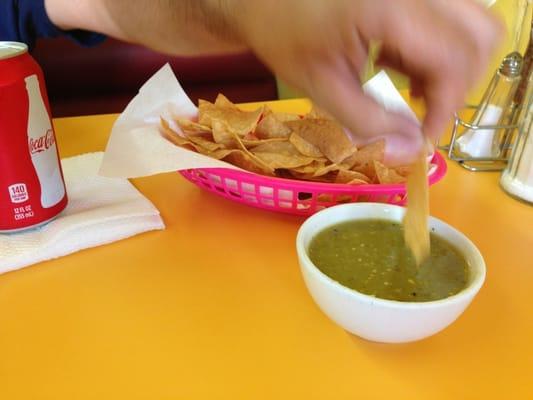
x: 371, y: 257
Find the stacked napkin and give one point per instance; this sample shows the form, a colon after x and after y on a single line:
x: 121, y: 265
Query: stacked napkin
x: 100, y: 210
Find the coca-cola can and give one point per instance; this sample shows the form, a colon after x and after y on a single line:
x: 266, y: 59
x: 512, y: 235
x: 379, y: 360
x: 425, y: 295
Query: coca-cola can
x: 32, y: 189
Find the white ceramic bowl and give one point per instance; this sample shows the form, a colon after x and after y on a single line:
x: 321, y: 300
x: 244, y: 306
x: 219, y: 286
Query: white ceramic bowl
x: 378, y: 319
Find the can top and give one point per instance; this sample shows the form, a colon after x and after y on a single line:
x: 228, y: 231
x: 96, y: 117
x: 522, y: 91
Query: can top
x: 12, y: 49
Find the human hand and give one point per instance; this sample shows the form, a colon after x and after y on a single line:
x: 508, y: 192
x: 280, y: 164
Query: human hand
x: 321, y: 46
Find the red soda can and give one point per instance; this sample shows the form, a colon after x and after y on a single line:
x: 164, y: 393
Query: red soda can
x: 32, y: 189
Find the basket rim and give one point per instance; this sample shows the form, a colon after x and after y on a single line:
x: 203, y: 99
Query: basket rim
x: 435, y: 177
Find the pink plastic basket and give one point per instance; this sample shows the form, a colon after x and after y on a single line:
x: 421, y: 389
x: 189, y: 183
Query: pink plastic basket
x: 295, y: 196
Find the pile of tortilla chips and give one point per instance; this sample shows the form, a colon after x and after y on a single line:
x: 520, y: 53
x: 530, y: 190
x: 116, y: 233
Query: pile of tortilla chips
x: 313, y: 147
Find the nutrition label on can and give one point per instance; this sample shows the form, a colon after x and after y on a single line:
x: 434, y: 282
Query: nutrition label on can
x: 18, y: 193
x: 23, y: 213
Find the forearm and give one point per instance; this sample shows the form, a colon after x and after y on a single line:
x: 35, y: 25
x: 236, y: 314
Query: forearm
x: 171, y: 26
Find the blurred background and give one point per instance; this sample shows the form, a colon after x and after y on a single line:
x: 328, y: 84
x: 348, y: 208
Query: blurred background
x: 509, y: 11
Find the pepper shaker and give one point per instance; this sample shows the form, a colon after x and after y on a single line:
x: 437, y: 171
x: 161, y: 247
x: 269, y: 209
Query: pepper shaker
x: 517, y: 178
x: 518, y: 100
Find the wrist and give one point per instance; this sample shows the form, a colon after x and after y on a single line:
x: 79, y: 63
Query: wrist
x: 88, y: 15
x: 58, y: 14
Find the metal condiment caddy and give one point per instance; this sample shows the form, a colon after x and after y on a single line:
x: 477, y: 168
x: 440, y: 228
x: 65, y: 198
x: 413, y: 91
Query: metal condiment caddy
x: 492, y: 129
x: 484, y: 141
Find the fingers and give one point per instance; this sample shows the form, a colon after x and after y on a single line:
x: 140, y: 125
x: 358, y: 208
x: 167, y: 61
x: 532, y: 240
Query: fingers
x: 482, y: 29
x: 441, y: 104
x: 356, y: 51
x: 441, y: 53
x: 336, y: 89
x: 320, y: 47
x: 402, y: 150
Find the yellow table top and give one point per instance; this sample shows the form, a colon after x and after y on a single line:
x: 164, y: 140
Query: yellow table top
x: 214, y: 307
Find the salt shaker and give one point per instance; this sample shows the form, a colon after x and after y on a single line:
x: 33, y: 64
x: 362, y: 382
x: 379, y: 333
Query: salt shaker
x: 517, y: 178
x: 493, y: 110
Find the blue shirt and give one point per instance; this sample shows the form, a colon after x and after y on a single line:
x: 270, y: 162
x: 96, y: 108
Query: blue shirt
x: 26, y: 21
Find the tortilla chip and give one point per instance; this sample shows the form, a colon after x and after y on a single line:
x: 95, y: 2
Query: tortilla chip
x: 208, y: 145
x: 238, y: 121
x: 222, y: 153
x: 328, y: 136
x: 281, y: 155
x: 326, y: 170
x: 318, y: 113
x: 304, y: 147
x: 310, y: 169
x: 271, y: 127
x: 222, y: 134
x: 368, y: 169
x: 250, y: 136
x: 387, y: 176
x: 357, y: 182
x: 282, y: 161
x: 191, y: 128
x: 415, y: 221
x: 327, y: 178
x: 279, y: 147
x: 253, y: 158
x: 351, y: 177
x: 244, y: 161
x: 203, y: 106
x: 175, y: 138
x: 366, y: 154
x: 403, y: 170
x: 223, y: 101
x: 285, y: 117
x: 171, y: 135
x: 251, y: 142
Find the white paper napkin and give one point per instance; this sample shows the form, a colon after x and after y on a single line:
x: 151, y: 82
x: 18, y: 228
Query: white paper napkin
x: 382, y: 90
x: 136, y: 147
x: 479, y: 142
x: 100, y: 210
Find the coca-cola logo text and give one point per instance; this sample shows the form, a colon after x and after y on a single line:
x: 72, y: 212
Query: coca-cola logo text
x: 42, y: 143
